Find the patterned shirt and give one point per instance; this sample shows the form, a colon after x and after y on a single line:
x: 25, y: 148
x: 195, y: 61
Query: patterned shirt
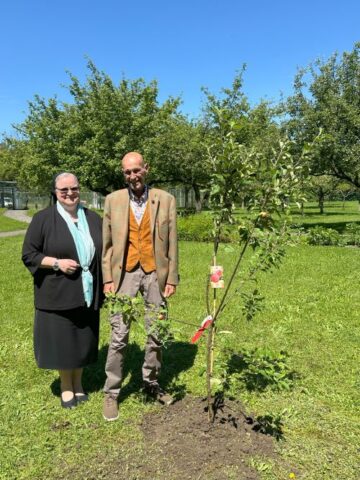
x: 138, y: 205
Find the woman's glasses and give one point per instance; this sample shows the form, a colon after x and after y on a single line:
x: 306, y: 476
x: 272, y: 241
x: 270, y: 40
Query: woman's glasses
x: 64, y: 191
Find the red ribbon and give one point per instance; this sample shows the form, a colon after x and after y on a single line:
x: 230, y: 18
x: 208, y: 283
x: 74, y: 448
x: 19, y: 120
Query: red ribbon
x: 204, y: 325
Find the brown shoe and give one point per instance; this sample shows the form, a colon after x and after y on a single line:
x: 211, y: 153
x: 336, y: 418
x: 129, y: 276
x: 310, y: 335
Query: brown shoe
x: 154, y: 391
x: 110, y: 408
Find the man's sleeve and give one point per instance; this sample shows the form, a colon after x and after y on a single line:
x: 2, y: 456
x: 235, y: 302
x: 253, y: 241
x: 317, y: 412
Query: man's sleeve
x: 173, y: 276
x: 107, y: 243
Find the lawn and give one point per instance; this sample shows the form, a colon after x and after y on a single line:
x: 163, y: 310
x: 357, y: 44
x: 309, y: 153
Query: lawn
x: 336, y: 215
x: 8, y: 224
x: 311, y: 312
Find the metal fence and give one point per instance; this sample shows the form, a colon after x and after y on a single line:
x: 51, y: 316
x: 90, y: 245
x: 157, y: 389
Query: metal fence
x: 11, y: 197
x: 7, y: 194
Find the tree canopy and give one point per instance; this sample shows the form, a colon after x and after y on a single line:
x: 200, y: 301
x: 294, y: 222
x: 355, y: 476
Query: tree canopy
x: 91, y: 134
x: 327, y: 100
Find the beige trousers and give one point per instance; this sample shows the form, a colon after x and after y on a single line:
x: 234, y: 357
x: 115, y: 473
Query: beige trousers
x: 147, y: 284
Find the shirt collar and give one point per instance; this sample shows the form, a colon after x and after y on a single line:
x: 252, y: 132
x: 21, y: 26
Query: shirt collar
x: 139, y: 200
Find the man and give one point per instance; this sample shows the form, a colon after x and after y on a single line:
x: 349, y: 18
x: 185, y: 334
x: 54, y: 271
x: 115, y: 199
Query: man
x: 139, y: 255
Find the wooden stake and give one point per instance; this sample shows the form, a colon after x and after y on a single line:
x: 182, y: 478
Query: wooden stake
x: 210, y: 355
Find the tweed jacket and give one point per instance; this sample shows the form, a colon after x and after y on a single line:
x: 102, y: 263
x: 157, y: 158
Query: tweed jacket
x: 163, y: 228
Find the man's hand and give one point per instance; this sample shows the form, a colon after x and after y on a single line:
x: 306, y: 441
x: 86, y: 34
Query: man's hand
x: 109, y: 287
x: 169, y: 290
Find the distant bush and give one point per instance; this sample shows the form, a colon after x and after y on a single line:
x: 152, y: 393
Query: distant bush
x: 352, y: 233
x: 185, y: 212
x: 199, y: 228
x: 323, y: 236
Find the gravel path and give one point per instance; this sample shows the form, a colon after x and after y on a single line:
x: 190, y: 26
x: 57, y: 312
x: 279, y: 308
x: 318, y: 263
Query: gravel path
x: 12, y: 234
x: 20, y: 215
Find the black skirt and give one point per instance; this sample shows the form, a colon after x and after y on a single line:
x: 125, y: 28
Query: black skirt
x: 66, y: 339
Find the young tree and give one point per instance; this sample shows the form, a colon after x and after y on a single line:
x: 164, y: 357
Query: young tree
x: 268, y: 175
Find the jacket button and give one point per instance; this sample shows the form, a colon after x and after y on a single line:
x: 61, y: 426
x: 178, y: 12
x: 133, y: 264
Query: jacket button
x: 120, y: 267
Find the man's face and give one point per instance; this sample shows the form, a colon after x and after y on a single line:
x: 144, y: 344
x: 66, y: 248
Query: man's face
x: 135, y: 173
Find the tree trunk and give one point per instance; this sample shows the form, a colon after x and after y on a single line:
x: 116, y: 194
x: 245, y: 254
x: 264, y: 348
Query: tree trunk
x: 198, y: 203
x: 209, y: 371
x: 321, y: 198
x: 186, y: 193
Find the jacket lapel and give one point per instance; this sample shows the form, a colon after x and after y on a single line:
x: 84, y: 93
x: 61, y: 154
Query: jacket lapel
x: 122, y: 215
x: 154, y: 207
x: 123, y: 207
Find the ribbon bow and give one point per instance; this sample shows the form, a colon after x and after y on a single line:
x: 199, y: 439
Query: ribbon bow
x: 204, y: 325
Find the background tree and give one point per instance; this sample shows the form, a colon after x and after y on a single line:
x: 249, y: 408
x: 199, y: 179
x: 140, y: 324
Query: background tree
x: 178, y: 152
x: 327, y: 98
x: 10, y: 159
x: 321, y: 187
x: 345, y: 190
x: 91, y: 134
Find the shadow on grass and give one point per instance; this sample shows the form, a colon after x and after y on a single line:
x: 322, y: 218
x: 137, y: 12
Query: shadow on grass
x: 93, y: 376
x: 326, y: 214
x: 177, y: 357
x: 259, y: 370
x: 340, y: 227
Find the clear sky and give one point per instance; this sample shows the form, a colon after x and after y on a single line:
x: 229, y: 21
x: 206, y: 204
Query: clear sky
x: 184, y: 45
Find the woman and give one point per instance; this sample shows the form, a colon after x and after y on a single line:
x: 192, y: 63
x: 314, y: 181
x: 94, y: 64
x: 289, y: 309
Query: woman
x: 62, y: 250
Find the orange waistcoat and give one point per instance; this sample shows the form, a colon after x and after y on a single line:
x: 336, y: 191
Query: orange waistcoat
x: 140, y: 247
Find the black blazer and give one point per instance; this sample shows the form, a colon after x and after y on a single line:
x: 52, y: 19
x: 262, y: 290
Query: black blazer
x: 48, y: 235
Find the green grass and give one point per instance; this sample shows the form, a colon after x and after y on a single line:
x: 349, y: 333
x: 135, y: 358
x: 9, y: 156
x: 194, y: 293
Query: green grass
x: 312, y: 312
x: 8, y: 224
x: 31, y: 211
x: 198, y: 227
x: 336, y: 215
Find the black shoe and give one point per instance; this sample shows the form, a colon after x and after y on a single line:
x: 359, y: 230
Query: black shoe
x: 154, y: 391
x: 81, y: 397
x: 70, y: 403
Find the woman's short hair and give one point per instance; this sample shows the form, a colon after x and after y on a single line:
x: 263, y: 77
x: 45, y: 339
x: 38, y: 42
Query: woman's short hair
x: 57, y: 177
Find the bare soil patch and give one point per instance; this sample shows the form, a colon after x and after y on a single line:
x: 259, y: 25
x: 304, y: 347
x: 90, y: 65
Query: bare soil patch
x: 179, y: 443
x: 184, y: 445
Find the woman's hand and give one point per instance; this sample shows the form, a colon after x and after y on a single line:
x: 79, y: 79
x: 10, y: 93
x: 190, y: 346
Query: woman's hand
x: 68, y: 266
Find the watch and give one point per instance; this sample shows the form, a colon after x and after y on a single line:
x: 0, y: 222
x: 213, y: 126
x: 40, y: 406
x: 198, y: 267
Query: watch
x: 56, y: 265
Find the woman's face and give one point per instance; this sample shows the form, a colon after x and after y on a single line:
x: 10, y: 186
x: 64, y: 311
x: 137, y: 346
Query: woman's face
x: 67, y: 192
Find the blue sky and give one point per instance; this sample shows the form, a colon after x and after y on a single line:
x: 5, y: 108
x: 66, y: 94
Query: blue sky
x: 184, y: 45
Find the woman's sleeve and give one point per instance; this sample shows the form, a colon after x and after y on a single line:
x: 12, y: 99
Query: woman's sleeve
x: 32, y: 251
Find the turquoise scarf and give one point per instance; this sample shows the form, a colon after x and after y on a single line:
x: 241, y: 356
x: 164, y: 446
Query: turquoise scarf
x: 84, y: 246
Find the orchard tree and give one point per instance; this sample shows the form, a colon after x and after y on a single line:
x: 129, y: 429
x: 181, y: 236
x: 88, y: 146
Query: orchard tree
x: 322, y: 186
x: 9, y: 164
x: 178, y: 152
x: 345, y: 190
x: 89, y: 135
x: 327, y: 99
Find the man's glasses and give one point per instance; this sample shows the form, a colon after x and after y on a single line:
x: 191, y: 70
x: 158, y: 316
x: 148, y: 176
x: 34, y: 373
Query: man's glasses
x: 64, y: 191
x: 129, y: 171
